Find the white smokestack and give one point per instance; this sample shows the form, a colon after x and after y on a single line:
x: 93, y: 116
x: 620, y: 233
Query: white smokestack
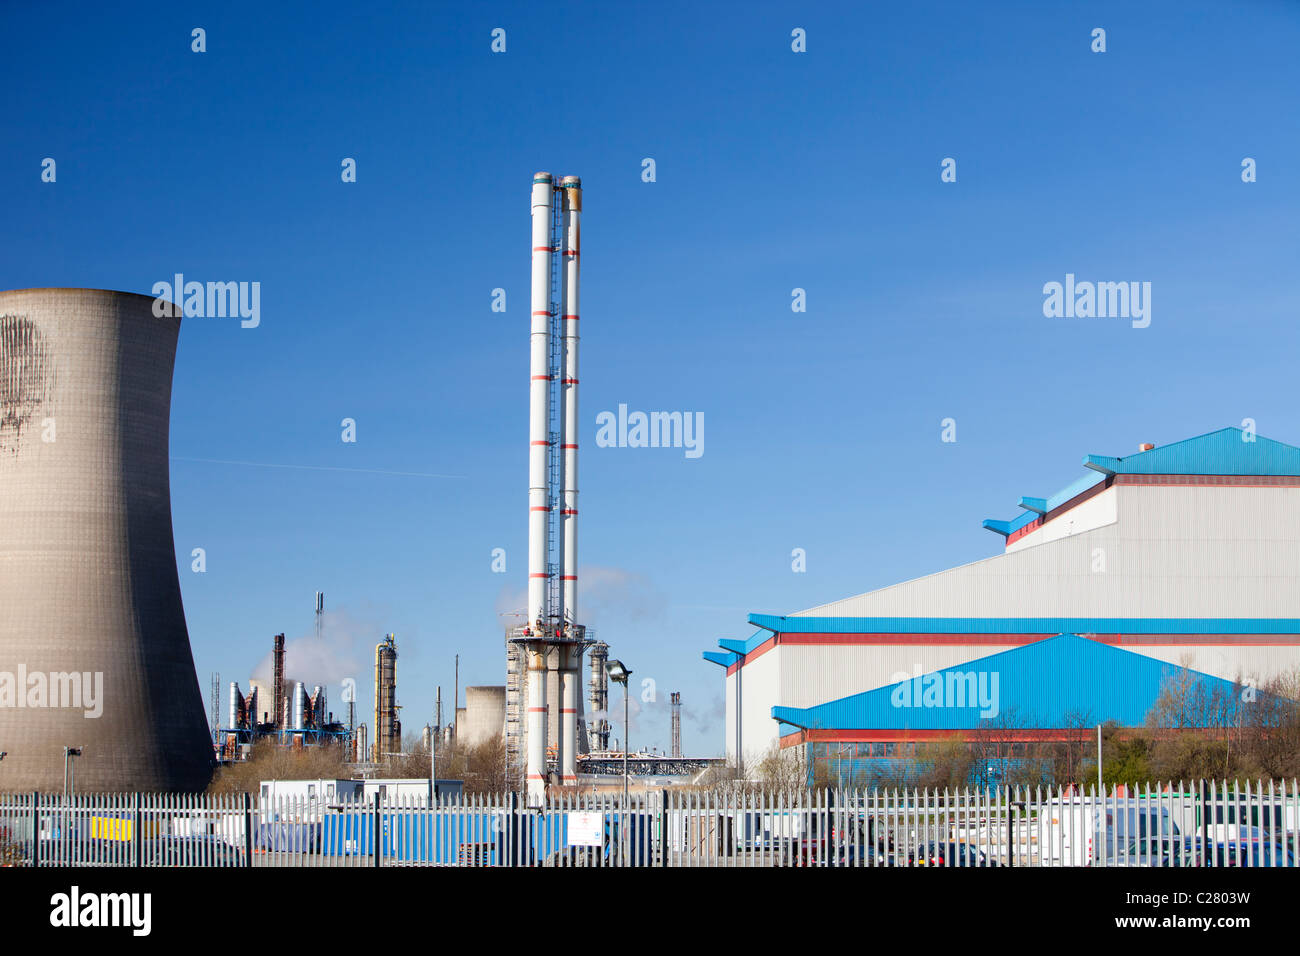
x: 539, y: 404
x: 571, y: 660
x: 539, y: 411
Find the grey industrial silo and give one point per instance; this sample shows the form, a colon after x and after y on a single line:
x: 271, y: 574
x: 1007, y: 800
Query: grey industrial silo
x: 94, y: 652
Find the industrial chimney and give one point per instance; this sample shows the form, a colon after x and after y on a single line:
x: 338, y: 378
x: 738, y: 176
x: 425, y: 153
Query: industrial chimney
x: 551, y: 639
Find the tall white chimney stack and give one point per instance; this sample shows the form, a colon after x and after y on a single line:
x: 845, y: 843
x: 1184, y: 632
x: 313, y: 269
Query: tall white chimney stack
x: 571, y: 653
x: 539, y: 411
x: 552, y: 638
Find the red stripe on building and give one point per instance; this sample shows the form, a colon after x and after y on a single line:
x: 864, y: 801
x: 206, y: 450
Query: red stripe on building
x: 1027, y: 529
x: 759, y: 651
x: 1235, y: 481
x: 841, y: 640
x: 891, y: 735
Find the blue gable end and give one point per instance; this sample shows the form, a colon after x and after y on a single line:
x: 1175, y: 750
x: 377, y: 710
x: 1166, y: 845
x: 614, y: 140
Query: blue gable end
x: 1224, y: 452
x: 1048, y: 684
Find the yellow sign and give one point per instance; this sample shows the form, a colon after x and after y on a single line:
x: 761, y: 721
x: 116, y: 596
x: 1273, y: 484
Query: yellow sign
x: 119, y: 828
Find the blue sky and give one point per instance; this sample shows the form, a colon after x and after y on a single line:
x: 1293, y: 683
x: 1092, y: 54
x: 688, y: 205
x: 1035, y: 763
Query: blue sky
x: 775, y: 170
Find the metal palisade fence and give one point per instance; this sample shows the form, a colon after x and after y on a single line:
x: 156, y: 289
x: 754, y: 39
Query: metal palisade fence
x: 1199, y: 824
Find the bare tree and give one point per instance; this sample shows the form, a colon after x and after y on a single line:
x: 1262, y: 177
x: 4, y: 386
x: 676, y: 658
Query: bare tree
x: 781, y: 770
x: 270, y: 761
x: 995, y: 746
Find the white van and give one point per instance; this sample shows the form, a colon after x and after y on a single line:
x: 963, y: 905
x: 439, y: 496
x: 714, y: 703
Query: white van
x: 1114, y: 831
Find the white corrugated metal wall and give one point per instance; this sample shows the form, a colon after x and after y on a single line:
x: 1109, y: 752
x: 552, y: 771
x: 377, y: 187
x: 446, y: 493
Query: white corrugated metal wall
x: 1174, y: 552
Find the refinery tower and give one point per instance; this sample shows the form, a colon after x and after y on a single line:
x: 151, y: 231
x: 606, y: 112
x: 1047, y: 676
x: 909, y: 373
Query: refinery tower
x: 551, y: 641
x: 94, y: 653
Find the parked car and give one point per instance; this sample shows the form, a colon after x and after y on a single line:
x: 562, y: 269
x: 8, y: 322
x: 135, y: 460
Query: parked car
x: 1250, y: 850
x: 870, y: 856
x: 1157, y: 851
x: 949, y: 854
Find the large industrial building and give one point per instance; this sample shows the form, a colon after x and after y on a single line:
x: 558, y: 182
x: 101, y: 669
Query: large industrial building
x: 94, y: 653
x: 1181, y: 559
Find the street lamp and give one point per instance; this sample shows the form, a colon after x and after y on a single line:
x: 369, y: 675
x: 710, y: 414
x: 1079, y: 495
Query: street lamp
x: 619, y: 675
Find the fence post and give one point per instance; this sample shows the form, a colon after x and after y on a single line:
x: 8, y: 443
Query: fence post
x: 663, y: 827
x: 248, y: 828
x: 376, y: 835
x: 137, y: 831
x: 1205, y: 824
x: 36, y: 828
x: 1011, y: 850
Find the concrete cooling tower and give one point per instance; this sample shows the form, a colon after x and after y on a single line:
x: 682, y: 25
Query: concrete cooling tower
x: 484, y: 715
x: 93, y: 647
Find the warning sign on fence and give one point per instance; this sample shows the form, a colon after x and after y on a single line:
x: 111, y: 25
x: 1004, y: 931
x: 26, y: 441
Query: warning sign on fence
x: 586, y: 828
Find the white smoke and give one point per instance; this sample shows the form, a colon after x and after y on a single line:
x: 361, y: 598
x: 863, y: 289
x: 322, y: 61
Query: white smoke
x: 344, y: 650
x: 616, y: 597
x: 705, y: 719
x: 605, y: 595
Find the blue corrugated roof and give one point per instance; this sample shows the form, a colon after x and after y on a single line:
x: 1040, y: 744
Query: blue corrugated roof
x: 1224, y: 452
x: 1023, y: 686
x: 1228, y: 451
x: 1005, y: 528
x: 1037, y: 507
x: 724, y: 660
x: 1024, y: 625
x: 736, y: 649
